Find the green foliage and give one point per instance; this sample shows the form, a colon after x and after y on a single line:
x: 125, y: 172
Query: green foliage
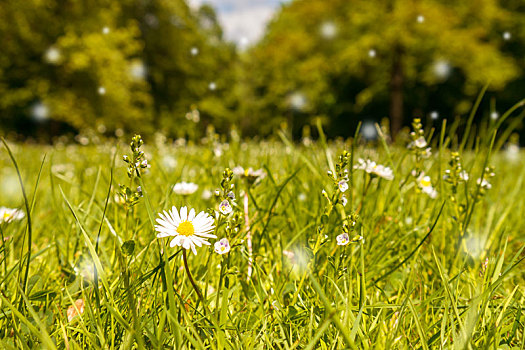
x: 106, y: 65
x: 349, y: 58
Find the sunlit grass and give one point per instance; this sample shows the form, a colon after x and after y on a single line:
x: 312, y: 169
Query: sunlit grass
x: 428, y: 273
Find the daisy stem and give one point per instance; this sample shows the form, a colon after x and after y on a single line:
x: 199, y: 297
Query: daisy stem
x: 192, y: 281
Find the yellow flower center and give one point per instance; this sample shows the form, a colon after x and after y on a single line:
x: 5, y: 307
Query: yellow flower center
x: 185, y: 228
x: 425, y: 183
x: 6, y: 216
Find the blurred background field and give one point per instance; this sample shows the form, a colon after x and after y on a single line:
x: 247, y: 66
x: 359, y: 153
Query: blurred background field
x: 106, y: 67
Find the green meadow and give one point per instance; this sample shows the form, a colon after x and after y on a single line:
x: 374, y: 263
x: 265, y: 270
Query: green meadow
x: 324, y: 249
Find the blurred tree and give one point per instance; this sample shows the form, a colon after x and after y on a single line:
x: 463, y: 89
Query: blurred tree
x: 187, y: 63
x: 68, y: 61
x: 106, y: 64
x: 343, y: 57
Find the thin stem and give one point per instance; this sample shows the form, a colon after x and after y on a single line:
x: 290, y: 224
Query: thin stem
x: 4, y: 249
x: 248, y: 235
x: 190, y: 277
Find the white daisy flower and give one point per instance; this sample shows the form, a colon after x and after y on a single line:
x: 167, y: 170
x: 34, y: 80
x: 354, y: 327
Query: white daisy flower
x: 189, y: 230
x: 343, y: 185
x: 222, y: 246
x: 373, y: 168
x: 225, y: 207
x: 238, y: 170
x: 249, y: 174
x: 185, y: 188
x: 343, y: 239
x: 8, y: 214
x: 366, y: 165
x: 384, y: 172
x: 425, y: 184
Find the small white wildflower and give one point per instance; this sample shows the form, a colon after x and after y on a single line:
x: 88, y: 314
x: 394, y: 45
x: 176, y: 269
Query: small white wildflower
x: 343, y: 185
x: 484, y: 184
x: 343, y: 239
x: 420, y: 142
x: 222, y: 246
x: 463, y: 175
x: 225, y: 207
x: 427, y: 153
x: 344, y: 201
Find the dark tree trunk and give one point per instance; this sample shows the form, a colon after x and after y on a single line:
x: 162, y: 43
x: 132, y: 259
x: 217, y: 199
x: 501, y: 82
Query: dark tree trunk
x: 396, y: 92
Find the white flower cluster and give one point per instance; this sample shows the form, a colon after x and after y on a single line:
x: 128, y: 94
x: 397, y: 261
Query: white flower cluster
x: 374, y: 169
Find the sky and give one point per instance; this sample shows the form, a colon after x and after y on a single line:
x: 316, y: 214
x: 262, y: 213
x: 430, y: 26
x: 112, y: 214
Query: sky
x: 243, y: 21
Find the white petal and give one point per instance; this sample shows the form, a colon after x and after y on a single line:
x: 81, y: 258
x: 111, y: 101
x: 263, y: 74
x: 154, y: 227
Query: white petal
x: 191, y: 215
x: 175, y: 215
x: 171, y: 219
x: 175, y: 241
x: 203, y: 234
x: 184, y: 214
x: 201, y: 215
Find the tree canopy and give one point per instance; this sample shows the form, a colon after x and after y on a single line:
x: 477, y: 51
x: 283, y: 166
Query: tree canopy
x: 354, y: 59
x: 106, y: 65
